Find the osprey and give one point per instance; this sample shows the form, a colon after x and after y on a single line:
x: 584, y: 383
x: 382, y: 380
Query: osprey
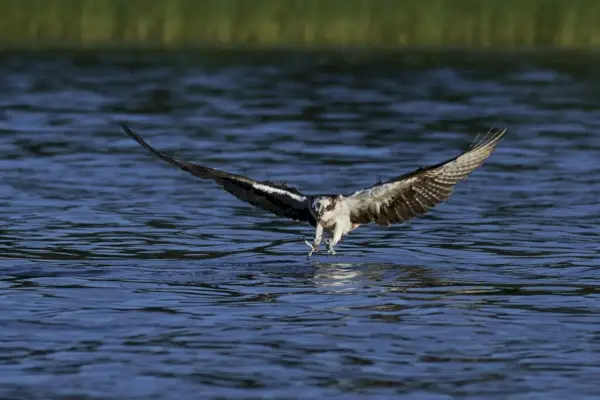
x: 385, y: 203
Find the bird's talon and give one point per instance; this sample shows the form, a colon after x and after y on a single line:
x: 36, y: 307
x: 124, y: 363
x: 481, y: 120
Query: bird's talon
x: 314, y: 248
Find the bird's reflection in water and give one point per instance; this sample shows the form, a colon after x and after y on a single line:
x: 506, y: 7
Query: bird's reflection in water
x: 350, y: 277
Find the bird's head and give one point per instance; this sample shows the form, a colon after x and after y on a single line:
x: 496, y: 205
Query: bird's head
x: 323, y: 205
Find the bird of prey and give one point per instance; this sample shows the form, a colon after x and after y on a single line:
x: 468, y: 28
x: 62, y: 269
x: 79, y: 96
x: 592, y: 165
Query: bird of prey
x: 391, y: 202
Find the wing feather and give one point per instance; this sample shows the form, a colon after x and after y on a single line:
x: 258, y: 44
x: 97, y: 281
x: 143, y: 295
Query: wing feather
x: 415, y: 193
x: 280, y: 199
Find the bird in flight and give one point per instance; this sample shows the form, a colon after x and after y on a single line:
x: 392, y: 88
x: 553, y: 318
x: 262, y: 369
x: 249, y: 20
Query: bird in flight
x: 391, y: 202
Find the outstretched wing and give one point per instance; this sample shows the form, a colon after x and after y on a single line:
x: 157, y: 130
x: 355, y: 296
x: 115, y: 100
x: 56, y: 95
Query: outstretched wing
x: 279, y: 199
x: 413, y: 194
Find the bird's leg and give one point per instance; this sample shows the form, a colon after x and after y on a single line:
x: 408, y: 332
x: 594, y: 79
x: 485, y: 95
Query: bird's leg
x: 314, y: 247
x: 337, y: 236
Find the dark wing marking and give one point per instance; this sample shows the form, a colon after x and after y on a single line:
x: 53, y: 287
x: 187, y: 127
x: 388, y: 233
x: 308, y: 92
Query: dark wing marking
x: 279, y: 199
x: 413, y: 194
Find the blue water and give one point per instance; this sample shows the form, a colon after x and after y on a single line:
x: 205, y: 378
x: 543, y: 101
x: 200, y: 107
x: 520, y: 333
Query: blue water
x: 123, y: 277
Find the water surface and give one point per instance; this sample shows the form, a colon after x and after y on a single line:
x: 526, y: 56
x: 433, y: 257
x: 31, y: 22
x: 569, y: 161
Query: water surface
x: 123, y: 277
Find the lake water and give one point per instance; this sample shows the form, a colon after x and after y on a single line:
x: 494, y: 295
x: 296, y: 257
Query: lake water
x: 125, y: 278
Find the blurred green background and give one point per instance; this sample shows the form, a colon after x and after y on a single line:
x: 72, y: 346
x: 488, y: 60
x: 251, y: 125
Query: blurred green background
x: 300, y: 23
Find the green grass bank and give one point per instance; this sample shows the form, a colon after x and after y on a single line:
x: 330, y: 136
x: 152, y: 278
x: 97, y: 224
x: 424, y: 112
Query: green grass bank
x: 300, y: 23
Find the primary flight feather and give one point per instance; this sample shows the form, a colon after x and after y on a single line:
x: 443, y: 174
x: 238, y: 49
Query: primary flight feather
x: 386, y: 203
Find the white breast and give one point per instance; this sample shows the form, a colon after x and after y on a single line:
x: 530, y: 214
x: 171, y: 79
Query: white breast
x: 338, y: 218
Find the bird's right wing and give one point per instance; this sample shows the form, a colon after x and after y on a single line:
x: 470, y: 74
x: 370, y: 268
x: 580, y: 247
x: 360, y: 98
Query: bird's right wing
x: 413, y: 194
x: 279, y: 199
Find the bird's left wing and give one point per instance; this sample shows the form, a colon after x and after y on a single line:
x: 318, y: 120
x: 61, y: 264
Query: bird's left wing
x: 279, y: 199
x: 413, y: 194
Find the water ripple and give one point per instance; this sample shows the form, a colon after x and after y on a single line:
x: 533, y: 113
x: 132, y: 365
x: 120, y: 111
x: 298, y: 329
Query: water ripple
x: 126, y: 278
